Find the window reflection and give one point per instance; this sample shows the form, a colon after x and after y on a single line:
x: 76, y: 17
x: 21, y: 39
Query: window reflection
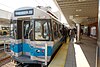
x: 41, y: 30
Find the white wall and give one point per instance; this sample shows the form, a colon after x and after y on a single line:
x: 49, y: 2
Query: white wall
x: 5, y: 14
x: 4, y: 18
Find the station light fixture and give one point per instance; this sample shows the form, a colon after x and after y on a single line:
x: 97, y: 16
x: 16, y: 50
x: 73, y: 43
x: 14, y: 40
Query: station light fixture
x: 78, y: 10
x: 81, y: 0
x: 76, y: 15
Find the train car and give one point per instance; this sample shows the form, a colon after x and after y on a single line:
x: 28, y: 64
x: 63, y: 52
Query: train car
x: 35, y: 35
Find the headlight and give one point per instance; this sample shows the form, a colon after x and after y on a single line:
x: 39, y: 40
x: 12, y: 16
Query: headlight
x: 38, y: 51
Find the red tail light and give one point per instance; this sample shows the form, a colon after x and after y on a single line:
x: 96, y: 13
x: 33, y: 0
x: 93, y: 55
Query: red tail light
x: 42, y: 51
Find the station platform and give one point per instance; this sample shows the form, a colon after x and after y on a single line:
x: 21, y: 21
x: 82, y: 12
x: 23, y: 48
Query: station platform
x: 60, y: 57
x: 82, y: 54
x: 74, y: 54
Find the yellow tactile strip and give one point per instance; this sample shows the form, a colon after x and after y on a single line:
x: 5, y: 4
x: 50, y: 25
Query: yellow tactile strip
x: 60, y: 58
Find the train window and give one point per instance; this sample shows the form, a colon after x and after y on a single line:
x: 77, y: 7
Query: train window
x: 55, y: 27
x: 50, y: 33
x: 59, y: 30
x: 20, y: 28
x: 26, y: 28
x: 13, y: 29
x: 41, y: 30
x: 93, y: 31
x: 31, y: 30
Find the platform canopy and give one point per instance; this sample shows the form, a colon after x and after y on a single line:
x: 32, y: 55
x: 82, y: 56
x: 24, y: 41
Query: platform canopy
x: 79, y: 11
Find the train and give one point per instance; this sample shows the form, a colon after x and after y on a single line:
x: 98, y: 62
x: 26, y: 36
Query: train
x: 35, y: 35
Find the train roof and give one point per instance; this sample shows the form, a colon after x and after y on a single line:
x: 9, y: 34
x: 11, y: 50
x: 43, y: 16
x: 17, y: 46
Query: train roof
x: 23, y: 8
x: 47, y: 14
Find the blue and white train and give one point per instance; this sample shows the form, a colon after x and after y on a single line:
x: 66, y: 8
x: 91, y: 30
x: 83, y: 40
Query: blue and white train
x: 35, y: 35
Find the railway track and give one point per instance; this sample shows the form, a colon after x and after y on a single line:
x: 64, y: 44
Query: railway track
x: 5, y: 61
x: 4, y: 57
x: 9, y: 64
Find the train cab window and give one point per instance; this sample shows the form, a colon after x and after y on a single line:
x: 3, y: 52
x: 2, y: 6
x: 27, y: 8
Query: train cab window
x: 41, y: 30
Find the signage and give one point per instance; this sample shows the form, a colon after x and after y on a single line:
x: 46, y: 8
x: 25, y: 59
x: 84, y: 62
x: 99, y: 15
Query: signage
x: 23, y: 12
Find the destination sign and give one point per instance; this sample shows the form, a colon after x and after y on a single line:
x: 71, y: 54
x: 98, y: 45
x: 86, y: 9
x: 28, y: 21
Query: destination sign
x: 23, y: 12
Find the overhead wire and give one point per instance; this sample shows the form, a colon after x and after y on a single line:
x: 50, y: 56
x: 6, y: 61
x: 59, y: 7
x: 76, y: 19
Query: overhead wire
x: 44, y: 2
x: 37, y: 2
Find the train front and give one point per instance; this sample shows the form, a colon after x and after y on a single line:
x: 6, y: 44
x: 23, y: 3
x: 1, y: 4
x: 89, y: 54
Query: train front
x: 31, y: 39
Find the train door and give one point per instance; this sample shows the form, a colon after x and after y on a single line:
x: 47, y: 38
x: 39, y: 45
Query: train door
x: 25, y: 39
x: 23, y: 27
x: 19, y: 33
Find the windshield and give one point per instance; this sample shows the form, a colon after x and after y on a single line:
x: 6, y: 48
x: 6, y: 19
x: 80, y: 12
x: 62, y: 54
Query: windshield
x: 19, y: 29
x: 41, y: 30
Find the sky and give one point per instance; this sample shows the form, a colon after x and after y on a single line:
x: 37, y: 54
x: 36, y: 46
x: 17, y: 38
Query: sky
x: 11, y: 5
